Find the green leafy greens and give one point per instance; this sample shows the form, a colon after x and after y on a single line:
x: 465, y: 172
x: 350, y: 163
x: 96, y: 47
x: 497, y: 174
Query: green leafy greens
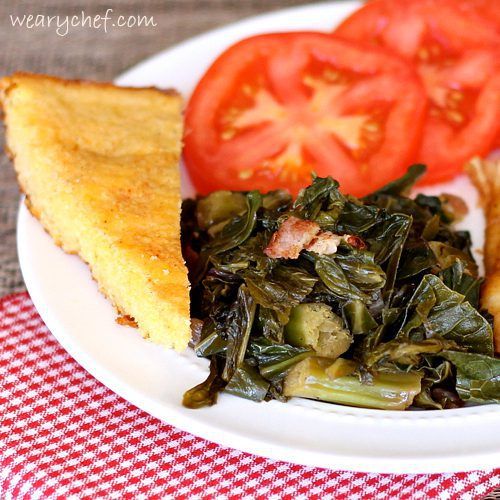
x: 397, y: 297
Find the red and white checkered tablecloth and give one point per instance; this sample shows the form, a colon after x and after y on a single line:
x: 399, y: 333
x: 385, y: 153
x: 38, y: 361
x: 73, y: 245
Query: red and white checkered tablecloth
x: 65, y: 435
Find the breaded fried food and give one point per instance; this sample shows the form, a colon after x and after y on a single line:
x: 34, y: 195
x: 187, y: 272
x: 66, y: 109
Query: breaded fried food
x: 99, y: 167
x: 485, y: 175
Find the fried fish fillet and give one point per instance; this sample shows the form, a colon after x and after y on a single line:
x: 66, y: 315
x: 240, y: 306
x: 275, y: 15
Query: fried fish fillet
x: 485, y: 174
x: 99, y: 167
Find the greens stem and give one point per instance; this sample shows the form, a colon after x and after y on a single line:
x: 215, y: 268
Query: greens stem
x: 388, y: 391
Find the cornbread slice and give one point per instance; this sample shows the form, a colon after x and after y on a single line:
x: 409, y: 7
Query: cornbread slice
x: 485, y: 174
x: 99, y: 167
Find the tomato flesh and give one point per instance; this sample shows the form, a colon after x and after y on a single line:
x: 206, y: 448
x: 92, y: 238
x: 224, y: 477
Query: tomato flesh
x: 274, y: 108
x: 487, y: 10
x: 455, y: 53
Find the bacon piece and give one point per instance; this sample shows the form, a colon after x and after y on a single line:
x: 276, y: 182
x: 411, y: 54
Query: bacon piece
x: 291, y: 238
x: 295, y: 235
x: 324, y: 243
x: 355, y: 241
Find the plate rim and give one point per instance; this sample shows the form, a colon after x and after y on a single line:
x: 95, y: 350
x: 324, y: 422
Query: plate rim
x: 207, y: 431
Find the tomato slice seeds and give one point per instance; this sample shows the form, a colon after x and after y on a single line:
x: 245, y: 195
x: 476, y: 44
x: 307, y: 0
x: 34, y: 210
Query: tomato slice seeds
x: 274, y: 108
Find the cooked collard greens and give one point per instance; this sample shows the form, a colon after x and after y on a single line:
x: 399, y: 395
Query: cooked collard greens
x: 369, y: 302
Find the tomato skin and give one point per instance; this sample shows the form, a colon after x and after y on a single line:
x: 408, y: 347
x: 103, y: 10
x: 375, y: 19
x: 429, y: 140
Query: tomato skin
x: 467, y: 34
x: 398, y: 24
x: 217, y: 164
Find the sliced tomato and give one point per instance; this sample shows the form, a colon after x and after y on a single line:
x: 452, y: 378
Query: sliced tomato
x: 455, y: 49
x: 274, y: 108
x: 487, y: 10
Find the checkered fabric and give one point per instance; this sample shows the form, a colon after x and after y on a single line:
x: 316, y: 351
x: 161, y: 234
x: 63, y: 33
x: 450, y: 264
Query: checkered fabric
x: 65, y: 435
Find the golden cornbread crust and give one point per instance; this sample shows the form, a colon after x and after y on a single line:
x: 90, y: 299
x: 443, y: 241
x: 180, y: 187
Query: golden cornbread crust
x: 99, y: 166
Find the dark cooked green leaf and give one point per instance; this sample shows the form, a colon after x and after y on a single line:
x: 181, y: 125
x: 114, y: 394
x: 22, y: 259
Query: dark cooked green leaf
x: 357, y: 218
x: 361, y: 269
x: 435, y: 310
x: 432, y: 204
x: 248, y: 255
x: 274, y: 360
x: 446, y: 256
x: 219, y: 285
x: 276, y: 391
x: 192, y: 239
x: 436, y: 385
x: 388, y: 235
x: 284, y: 287
x: 210, y: 345
x: 278, y: 199
x: 270, y: 324
x: 335, y: 279
x: 235, y: 232
x: 248, y: 383
x: 321, y: 195
x: 205, y: 394
x: 463, y: 324
x: 403, y: 185
x: 392, y: 267
x: 327, y: 218
x: 238, y: 327
x: 478, y: 376
x: 431, y: 228
x: 416, y: 258
x: 357, y: 317
x: 390, y: 315
x: 399, y: 205
x: 274, y: 204
x: 456, y: 278
x: 369, y: 342
x: 219, y: 206
x: 406, y: 353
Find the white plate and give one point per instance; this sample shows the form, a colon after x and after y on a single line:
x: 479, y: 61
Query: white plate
x: 154, y: 379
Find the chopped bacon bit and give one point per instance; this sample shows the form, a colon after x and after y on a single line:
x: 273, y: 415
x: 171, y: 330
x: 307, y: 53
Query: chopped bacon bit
x: 355, y: 241
x: 324, y: 243
x: 295, y: 235
x: 291, y: 238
